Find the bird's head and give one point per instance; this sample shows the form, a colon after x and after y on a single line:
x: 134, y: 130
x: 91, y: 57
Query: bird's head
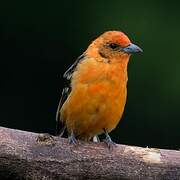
x: 113, y: 45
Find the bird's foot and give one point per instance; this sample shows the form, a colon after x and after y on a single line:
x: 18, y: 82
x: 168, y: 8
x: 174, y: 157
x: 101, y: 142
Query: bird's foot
x: 72, y: 139
x: 109, y: 141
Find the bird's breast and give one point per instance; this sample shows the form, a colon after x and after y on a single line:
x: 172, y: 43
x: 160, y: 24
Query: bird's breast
x: 97, y: 98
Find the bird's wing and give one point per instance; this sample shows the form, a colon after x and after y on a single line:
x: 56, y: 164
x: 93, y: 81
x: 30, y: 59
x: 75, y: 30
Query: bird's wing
x: 69, y: 72
x: 60, y: 127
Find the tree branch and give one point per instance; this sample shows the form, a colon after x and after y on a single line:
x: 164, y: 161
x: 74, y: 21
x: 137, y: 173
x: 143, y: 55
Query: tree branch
x: 26, y: 155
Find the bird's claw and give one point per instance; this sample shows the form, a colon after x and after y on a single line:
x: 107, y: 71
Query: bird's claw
x: 72, y: 139
x: 109, y: 143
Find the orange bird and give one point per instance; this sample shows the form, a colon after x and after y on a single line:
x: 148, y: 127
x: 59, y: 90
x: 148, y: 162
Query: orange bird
x: 95, y: 99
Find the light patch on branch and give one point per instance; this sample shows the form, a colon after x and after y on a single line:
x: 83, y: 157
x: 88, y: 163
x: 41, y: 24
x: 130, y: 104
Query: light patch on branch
x: 152, y: 157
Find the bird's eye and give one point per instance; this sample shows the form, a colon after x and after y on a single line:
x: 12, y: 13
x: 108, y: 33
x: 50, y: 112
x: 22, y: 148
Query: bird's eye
x: 113, y: 46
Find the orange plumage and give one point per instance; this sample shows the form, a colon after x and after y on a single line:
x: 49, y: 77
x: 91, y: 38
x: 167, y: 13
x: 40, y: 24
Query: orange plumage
x: 98, y: 86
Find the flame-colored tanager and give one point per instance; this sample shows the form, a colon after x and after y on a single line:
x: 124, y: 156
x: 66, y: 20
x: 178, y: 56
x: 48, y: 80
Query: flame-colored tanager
x: 95, y: 99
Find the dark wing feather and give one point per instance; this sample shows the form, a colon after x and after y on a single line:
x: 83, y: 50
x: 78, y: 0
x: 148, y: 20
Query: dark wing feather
x: 60, y: 127
x: 69, y: 72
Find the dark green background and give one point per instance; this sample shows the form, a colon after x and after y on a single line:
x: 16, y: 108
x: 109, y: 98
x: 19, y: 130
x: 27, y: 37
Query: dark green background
x: 40, y: 39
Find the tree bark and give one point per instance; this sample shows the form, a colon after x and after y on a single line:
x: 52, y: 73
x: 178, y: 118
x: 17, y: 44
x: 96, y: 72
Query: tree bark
x: 27, y: 155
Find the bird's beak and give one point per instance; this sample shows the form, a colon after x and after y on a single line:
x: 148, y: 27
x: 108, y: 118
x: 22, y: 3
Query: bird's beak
x: 132, y: 48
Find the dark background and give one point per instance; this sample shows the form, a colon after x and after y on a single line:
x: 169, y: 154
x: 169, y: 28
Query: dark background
x: 40, y: 39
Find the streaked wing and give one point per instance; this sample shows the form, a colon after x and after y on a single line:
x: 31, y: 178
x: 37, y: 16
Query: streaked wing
x: 69, y: 72
x: 60, y: 127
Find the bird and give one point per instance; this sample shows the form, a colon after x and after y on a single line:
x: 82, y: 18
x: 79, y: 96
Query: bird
x: 94, y: 99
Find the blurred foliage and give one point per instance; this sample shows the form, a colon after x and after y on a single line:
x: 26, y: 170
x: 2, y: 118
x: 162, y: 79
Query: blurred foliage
x: 40, y: 39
